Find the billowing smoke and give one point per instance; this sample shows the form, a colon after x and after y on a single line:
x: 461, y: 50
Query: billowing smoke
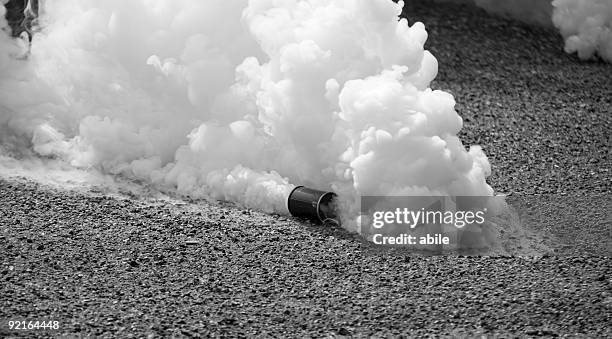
x: 238, y: 100
x: 586, y: 25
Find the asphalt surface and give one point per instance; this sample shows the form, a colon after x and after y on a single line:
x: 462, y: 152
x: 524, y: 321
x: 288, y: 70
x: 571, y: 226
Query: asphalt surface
x: 110, y: 266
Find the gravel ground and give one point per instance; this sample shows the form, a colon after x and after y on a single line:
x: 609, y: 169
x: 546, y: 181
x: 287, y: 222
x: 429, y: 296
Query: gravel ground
x: 131, y: 266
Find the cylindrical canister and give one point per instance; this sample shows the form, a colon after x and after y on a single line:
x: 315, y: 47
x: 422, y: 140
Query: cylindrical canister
x: 312, y: 204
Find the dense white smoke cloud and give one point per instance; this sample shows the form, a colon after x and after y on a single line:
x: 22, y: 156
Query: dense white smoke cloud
x: 239, y: 100
x: 586, y: 25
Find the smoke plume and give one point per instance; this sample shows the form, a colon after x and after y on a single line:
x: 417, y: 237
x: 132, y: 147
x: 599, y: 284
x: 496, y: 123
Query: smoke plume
x: 238, y: 100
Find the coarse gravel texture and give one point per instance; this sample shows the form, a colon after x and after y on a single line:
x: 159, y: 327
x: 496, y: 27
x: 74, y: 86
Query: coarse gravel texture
x: 120, y: 266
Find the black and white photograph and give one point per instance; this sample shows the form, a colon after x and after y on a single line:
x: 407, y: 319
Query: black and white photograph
x: 305, y: 169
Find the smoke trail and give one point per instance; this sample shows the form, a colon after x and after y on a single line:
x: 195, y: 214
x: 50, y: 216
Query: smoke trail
x: 586, y: 25
x: 239, y: 100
